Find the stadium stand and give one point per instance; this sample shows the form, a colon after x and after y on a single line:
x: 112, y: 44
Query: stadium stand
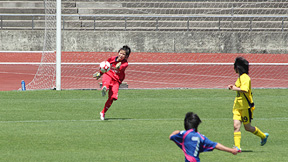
x: 80, y: 14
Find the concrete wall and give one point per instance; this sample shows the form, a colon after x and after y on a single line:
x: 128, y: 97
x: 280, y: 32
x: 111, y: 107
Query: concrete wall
x: 12, y: 40
x: 155, y: 41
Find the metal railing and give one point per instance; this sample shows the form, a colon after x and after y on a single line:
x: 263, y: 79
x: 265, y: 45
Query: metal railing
x: 188, y: 19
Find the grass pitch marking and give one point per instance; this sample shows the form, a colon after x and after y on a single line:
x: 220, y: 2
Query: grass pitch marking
x: 129, y: 119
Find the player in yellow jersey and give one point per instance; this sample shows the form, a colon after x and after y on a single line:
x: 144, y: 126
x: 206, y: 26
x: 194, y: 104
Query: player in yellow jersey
x: 243, y: 104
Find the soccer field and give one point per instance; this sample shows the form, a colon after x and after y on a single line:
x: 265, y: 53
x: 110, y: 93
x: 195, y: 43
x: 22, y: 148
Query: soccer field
x: 65, y: 125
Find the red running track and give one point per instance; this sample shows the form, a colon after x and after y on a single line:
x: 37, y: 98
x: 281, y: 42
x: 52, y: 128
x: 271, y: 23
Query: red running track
x: 149, y: 76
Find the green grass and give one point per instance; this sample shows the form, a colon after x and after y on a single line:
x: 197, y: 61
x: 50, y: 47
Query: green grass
x: 65, y: 125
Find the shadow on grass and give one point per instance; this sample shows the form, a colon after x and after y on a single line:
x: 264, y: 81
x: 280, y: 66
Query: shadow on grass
x: 111, y: 119
x: 246, y: 151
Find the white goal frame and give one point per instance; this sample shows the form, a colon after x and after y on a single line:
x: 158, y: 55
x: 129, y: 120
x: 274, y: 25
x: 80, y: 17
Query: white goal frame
x: 58, y: 46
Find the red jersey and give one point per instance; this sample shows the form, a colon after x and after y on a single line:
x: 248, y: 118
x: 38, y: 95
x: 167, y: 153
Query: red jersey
x: 114, y: 73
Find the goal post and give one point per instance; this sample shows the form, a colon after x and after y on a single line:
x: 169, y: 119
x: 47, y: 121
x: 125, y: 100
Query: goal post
x: 58, y: 46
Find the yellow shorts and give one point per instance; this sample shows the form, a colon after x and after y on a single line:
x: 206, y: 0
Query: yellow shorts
x: 244, y: 115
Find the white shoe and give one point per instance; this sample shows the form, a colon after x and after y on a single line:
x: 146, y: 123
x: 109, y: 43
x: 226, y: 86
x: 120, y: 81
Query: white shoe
x: 102, y: 116
x: 104, y: 90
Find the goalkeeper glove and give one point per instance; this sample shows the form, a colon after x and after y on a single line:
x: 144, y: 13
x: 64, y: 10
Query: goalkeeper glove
x: 118, y: 65
x: 97, y: 75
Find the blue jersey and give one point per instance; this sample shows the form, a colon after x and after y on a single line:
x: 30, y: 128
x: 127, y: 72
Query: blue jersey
x: 192, y: 143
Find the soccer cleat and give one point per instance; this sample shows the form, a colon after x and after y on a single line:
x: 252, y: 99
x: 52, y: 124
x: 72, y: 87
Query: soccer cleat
x: 238, y: 149
x: 104, y: 89
x: 97, y: 75
x: 102, y: 116
x: 264, y: 140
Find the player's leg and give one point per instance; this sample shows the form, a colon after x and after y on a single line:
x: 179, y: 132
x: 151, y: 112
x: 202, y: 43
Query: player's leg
x: 106, y: 82
x: 112, y: 95
x: 247, y: 116
x: 107, y: 105
x: 237, y: 126
x: 237, y: 133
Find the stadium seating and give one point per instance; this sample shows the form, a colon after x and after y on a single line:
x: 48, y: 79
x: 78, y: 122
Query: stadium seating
x: 154, y: 14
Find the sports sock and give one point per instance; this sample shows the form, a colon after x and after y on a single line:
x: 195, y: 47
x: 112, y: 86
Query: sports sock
x: 237, y: 139
x: 104, y: 110
x: 107, y: 105
x: 259, y: 133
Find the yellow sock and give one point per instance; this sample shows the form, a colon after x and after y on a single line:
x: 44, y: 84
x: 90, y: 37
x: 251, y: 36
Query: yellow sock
x: 259, y: 133
x: 237, y: 139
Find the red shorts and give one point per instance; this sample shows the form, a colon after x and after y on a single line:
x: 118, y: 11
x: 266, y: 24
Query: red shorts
x: 112, y: 86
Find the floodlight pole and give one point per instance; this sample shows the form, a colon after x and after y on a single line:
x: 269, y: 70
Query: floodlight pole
x: 58, y: 45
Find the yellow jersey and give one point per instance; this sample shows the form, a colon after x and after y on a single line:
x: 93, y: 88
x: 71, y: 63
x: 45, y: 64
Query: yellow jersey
x: 244, y: 83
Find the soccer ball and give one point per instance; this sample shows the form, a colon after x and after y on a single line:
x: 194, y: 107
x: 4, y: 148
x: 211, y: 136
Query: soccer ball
x: 104, y: 66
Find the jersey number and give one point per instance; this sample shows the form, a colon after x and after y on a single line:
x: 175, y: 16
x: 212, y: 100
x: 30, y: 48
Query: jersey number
x: 245, y: 119
x: 197, y: 139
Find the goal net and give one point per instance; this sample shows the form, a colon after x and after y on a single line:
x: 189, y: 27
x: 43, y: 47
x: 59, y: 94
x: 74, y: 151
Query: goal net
x: 45, y: 76
x: 175, y: 44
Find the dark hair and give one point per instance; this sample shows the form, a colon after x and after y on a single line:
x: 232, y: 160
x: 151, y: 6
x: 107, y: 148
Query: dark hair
x: 191, y: 121
x: 241, y: 65
x: 127, y: 50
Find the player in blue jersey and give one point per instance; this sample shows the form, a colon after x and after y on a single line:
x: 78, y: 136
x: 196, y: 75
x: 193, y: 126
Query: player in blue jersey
x: 192, y: 142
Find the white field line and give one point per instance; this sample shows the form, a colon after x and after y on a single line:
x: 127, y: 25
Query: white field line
x: 127, y: 119
x: 23, y: 52
x: 137, y: 63
x: 17, y: 73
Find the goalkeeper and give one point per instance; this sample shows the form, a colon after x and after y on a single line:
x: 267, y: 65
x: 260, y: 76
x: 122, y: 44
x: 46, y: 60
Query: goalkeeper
x: 112, y: 79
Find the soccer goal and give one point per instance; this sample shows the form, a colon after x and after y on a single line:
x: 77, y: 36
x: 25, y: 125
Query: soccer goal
x: 175, y: 44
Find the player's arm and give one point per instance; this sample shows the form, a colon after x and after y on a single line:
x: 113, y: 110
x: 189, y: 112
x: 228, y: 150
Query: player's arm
x: 221, y: 147
x: 118, y: 65
x: 234, y: 88
x: 244, y: 87
x: 173, y: 133
x: 97, y: 75
x: 122, y: 66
